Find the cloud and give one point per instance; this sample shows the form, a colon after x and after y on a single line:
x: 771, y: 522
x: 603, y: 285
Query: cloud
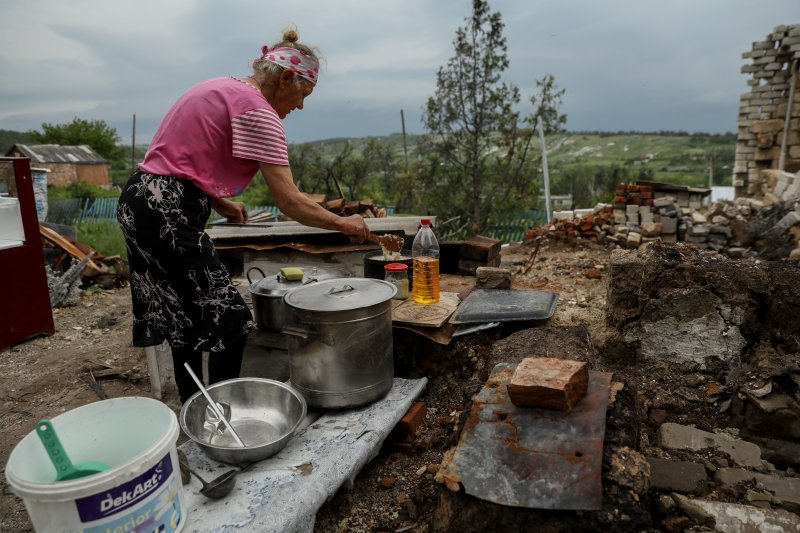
x: 641, y: 65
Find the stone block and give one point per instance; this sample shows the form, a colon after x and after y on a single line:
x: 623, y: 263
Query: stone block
x: 652, y: 229
x: 767, y: 126
x: 480, y: 248
x: 669, y: 225
x: 492, y: 278
x: 786, y: 489
x: 634, y: 239
x: 679, y: 476
x: 469, y: 266
x: 548, y: 383
x: 677, y: 437
x: 663, y: 201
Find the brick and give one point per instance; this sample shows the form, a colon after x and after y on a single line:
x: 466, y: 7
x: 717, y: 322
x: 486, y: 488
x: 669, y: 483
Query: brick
x: 767, y: 126
x: 480, y: 248
x: 492, y: 278
x: 679, y: 476
x: 548, y: 383
x: 677, y: 437
x: 652, y: 229
x: 406, y: 429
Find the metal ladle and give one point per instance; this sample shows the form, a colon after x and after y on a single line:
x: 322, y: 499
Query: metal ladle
x: 217, y: 488
x: 213, y: 405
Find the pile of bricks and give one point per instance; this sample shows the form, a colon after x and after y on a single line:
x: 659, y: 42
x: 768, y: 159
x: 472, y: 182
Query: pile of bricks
x: 764, y: 112
x: 747, y: 226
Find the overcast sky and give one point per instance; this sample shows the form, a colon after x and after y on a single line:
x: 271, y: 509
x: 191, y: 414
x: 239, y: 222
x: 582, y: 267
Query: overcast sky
x: 625, y: 65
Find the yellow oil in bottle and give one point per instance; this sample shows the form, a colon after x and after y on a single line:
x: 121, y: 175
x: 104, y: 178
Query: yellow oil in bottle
x: 426, y: 280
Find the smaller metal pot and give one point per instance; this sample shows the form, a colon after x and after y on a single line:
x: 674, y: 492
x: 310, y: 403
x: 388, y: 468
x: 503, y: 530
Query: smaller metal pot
x: 268, y: 292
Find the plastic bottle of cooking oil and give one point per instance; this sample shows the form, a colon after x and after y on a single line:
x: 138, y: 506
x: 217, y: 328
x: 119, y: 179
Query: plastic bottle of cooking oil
x: 425, y: 255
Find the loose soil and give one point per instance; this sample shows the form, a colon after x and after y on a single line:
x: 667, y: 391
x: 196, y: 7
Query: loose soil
x: 396, y: 491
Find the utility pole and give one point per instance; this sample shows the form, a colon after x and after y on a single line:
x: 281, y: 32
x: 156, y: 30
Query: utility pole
x: 711, y: 171
x: 405, y: 146
x: 133, y: 144
x: 544, y: 168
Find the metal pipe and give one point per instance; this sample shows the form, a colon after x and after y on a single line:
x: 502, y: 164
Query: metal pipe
x: 787, y: 120
x: 546, y: 174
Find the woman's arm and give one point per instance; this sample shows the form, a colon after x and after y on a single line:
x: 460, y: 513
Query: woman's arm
x: 235, y: 212
x: 297, y: 205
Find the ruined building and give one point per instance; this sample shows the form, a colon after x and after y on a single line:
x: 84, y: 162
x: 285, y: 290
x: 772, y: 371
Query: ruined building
x: 769, y: 115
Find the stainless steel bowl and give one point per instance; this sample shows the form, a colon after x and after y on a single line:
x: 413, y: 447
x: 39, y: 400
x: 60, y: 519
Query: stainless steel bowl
x: 264, y: 412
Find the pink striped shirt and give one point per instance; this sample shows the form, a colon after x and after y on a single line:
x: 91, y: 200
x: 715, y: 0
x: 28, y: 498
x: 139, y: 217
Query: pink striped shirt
x: 216, y: 134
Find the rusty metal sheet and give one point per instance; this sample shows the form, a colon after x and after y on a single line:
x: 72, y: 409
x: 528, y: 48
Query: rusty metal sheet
x: 528, y: 457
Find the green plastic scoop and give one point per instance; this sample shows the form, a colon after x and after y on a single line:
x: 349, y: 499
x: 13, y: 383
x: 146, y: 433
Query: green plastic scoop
x: 58, y: 456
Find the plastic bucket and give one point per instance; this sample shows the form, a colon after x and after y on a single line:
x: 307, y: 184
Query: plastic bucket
x: 142, y: 491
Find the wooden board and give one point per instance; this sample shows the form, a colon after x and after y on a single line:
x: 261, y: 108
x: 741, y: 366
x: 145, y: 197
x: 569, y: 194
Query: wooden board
x: 431, y: 315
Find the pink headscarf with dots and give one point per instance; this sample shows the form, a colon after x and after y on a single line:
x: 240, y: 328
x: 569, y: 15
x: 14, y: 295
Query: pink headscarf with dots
x: 300, y: 62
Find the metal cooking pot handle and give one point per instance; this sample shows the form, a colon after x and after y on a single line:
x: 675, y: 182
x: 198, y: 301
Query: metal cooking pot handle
x: 335, y: 290
x: 259, y: 271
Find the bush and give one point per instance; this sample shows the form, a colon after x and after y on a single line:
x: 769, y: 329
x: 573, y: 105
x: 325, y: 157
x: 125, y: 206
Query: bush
x: 82, y: 189
x: 105, y: 236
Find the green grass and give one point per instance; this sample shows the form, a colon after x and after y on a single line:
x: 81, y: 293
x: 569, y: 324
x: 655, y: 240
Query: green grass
x: 105, y: 236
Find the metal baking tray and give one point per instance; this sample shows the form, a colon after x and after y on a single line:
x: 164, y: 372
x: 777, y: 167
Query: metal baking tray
x: 499, y: 305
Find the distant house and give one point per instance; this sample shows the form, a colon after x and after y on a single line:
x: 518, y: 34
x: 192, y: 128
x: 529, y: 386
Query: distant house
x: 67, y: 164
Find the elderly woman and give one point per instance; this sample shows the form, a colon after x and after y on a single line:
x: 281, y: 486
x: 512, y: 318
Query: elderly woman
x: 209, y: 146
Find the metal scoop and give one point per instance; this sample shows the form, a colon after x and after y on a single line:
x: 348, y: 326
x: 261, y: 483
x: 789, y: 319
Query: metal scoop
x: 217, y: 488
x: 65, y: 470
x: 213, y: 405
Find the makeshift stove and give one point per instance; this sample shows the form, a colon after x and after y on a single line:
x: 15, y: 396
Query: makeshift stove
x: 269, y: 246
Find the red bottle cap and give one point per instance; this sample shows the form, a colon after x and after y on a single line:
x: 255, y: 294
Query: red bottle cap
x: 425, y: 221
x: 396, y: 267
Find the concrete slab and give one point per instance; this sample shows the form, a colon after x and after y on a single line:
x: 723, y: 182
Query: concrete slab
x: 679, y: 476
x: 284, y: 492
x: 737, y: 518
x: 678, y: 437
x: 784, y: 488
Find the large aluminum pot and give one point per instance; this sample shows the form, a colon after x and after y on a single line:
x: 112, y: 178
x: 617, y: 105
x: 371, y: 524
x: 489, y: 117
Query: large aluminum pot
x: 339, y: 337
x: 268, y: 292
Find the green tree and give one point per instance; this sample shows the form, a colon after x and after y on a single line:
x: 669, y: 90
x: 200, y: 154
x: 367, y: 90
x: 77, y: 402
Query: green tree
x: 96, y: 133
x: 546, y: 104
x: 480, y: 165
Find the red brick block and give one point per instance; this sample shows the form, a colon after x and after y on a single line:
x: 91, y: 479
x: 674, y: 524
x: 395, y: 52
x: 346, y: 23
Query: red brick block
x: 408, y: 425
x: 479, y: 248
x: 548, y: 383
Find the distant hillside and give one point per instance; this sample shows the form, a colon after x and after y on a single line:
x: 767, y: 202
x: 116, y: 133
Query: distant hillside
x: 674, y: 157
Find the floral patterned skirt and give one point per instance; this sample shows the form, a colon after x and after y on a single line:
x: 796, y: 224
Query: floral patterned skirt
x: 180, y: 290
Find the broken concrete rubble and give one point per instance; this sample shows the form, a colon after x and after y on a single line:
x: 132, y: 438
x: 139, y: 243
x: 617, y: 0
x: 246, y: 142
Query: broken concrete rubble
x: 747, y: 225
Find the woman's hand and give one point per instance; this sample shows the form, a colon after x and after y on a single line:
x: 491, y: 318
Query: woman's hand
x: 355, y: 227
x: 234, y: 212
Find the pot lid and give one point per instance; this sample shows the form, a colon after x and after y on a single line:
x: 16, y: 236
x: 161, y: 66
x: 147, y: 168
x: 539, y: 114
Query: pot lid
x: 276, y: 285
x: 341, y: 294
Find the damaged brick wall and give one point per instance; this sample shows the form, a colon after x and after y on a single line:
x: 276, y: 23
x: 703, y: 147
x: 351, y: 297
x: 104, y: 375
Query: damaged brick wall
x: 763, y: 110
